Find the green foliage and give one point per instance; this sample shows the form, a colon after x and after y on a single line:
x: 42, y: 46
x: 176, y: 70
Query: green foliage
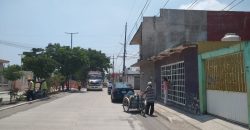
x: 39, y: 63
x: 12, y: 72
x: 98, y: 61
x: 55, y: 81
x: 70, y: 63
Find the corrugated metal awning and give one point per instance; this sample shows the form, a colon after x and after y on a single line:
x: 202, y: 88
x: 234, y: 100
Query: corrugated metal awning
x: 168, y: 52
x: 137, y: 64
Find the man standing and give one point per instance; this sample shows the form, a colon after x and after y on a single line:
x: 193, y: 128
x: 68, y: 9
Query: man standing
x: 150, y: 98
x: 30, y: 92
x: 44, y: 88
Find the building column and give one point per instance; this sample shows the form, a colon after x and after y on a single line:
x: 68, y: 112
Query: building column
x: 246, y: 57
x: 202, y: 85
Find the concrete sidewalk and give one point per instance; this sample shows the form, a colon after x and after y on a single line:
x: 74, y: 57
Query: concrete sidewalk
x: 203, y: 122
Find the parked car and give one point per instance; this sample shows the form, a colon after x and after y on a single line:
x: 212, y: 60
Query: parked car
x: 110, y: 85
x: 118, y: 91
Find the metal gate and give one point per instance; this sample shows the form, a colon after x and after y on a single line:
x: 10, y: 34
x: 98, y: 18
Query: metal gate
x: 226, y: 87
x: 176, y: 74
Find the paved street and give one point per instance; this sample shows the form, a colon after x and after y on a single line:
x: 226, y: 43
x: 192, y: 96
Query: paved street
x: 81, y: 111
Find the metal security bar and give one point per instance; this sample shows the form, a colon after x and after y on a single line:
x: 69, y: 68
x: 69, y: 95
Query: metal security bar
x: 226, y: 73
x: 176, y: 74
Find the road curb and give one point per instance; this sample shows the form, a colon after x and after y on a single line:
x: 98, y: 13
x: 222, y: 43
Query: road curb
x: 23, y: 103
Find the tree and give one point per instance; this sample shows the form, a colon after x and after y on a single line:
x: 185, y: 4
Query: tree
x: 71, y: 62
x: 56, y: 80
x: 39, y: 63
x: 12, y: 73
x: 98, y: 61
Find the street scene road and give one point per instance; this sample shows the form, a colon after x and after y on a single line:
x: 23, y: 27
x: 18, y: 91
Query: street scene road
x: 183, y: 63
x: 81, y: 111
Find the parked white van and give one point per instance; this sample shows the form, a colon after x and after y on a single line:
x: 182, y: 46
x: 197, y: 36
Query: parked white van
x: 94, y: 84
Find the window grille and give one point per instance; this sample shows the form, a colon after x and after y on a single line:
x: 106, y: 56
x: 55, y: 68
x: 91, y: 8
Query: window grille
x: 176, y: 74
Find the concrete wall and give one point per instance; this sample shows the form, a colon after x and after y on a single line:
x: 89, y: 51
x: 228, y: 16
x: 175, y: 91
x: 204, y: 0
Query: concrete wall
x: 172, y: 28
x: 130, y: 80
x: 175, y: 27
x: 22, y: 83
x: 220, y: 23
x: 137, y: 82
x: 134, y: 80
x: 147, y: 74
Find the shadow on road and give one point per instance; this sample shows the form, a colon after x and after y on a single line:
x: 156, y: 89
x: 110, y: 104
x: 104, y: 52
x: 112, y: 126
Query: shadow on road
x: 77, y: 91
x: 136, y: 112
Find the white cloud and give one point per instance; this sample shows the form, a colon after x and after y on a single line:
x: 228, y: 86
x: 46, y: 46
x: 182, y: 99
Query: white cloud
x: 206, y: 5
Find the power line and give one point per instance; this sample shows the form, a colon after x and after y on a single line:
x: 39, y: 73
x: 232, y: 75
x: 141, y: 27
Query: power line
x: 164, y: 6
x: 15, y: 44
x: 132, y: 8
x: 143, y: 10
x: 235, y: 5
x: 146, y: 5
x: 229, y: 4
x: 225, y: 11
x: 118, y: 56
x: 119, y: 52
x: 193, y: 4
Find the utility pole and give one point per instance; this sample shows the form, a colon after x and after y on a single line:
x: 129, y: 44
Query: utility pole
x: 71, y: 40
x: 113, y: 64
x: 71, y: 36
x: 21, y: 60
x: 113, y: 67
x: 124, y: 52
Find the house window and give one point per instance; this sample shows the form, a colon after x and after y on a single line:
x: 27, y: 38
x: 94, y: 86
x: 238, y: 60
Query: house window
x: 175, y: 73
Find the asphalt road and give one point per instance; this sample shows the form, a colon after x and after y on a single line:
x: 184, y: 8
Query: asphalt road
x: 90, y: 110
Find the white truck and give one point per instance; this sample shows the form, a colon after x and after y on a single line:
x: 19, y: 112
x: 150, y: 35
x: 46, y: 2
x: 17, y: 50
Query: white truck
x: 95, y: 80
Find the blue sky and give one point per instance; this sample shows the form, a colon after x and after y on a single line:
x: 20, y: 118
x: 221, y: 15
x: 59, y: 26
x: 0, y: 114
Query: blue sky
x: 99, y: 23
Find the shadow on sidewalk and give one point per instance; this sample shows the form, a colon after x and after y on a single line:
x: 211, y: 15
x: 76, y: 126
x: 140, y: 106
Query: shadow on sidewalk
x: 198, y: 117
x: 202, y: 118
